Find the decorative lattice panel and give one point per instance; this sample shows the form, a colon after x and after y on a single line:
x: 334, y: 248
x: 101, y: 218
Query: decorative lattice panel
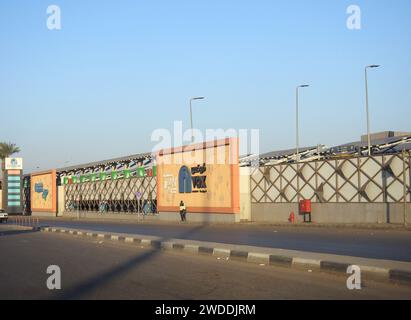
x: 123, y: 195
x: 374, y: 179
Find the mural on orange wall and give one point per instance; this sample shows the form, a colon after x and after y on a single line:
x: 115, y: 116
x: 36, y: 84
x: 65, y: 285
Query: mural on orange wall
x: 43, y: 192
x: 205, y: 176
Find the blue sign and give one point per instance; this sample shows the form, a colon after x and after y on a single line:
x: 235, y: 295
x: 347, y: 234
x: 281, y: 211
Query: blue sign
x: 38, y: 187
x: 184, y: 180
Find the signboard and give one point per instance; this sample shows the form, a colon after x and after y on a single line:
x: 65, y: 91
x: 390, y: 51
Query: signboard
x: 14, y: 163
x: 141, y: 172
x: 43, y: 192
x: 12, y: 192
x: 204, y: 176
x: 127, y: 174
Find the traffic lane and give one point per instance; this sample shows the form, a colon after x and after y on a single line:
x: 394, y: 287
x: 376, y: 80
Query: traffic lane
x: 98, y: 269
x: 374, y: 244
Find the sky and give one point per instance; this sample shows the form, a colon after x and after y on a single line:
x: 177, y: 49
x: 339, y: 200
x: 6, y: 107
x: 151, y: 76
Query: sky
x: 118, y: 70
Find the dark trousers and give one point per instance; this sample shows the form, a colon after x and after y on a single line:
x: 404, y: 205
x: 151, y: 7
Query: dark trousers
x: 183, y: 214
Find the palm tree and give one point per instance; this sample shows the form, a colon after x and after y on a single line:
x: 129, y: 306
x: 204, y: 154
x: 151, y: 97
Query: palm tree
x: 6, y: 150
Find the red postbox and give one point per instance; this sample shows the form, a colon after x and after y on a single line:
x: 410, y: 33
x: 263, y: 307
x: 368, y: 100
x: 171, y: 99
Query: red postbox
x: 305, y: 209
x: 305, y: 206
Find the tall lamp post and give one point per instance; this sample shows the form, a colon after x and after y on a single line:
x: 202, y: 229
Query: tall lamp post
x: 191, y: 115
x: 297, y: 120
x: 366, y: 105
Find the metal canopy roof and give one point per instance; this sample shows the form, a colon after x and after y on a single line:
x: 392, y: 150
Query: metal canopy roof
x: 379, y: 146
x: 284, y: 153
x: 107, y: 163
x: 393, y: 144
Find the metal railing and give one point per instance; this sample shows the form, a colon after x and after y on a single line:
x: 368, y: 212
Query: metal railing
x: 24, y: 221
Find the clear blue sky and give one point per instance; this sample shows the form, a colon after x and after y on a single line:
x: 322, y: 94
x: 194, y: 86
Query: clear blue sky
x: 120, y: 69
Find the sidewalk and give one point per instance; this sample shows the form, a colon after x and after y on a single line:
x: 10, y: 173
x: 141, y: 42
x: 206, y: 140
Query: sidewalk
x: 134, y: 218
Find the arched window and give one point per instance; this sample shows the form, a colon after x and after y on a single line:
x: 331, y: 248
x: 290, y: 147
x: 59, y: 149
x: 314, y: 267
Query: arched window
x: 184, y: 180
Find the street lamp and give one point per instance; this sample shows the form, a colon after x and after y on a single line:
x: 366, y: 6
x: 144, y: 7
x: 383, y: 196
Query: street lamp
x: 366, y: 105
x: 297, y: 121
x: 191, y: 115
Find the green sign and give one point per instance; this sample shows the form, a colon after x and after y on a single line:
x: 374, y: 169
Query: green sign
x: 93, y: 177
x: 141, y: 172
x: 127, y: 174
x: 74, y: 179
x: 114, y: 175
x: 103, y: 176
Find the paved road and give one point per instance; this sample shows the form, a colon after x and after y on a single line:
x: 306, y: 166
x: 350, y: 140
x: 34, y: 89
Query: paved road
x: 96, y: 269
x: 377, y: 244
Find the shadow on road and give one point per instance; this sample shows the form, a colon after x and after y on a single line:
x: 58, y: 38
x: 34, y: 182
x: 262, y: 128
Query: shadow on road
x: 99, y: 280
x: 5, y: 233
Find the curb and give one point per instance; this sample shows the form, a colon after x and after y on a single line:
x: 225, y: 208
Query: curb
x: 135, y: 219
x: 295, y: 262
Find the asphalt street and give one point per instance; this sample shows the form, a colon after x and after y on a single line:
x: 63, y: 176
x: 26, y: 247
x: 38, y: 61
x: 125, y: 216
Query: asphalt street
x: 366, y: 243
x: 92, y: 268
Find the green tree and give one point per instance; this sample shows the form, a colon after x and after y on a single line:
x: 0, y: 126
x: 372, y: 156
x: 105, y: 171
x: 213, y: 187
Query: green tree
x: 6, y: 150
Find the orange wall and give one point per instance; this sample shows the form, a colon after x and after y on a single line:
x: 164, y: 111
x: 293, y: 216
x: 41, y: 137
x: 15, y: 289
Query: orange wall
x: 222, y: 194
x: 48, y: 179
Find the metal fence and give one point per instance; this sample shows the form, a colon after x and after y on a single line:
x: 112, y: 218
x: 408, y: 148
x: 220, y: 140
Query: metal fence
x: 133, y: 195
x: 375, y: 179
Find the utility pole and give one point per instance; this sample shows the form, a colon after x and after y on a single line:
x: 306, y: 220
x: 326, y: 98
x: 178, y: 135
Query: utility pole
x: 191, y: 116
x: 404, y: 166
x: 366, y: 106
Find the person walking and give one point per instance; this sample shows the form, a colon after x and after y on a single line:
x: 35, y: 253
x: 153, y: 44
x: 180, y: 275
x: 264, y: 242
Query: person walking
x: 183, y: 211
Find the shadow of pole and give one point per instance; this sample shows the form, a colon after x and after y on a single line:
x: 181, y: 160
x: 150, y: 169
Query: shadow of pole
x: 7, y: 233
x: 106, y: 277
